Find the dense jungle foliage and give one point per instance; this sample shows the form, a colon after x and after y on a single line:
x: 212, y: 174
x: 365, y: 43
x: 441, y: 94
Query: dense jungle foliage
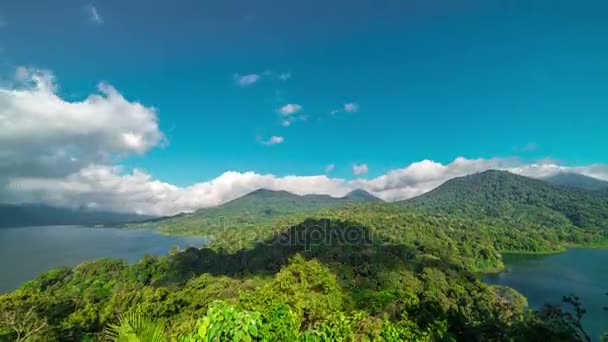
x: 352, y: 272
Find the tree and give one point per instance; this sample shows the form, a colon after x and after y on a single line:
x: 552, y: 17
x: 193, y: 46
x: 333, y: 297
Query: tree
x: 24, y: 324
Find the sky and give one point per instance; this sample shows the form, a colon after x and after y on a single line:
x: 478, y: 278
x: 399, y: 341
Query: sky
x: 168, y: 106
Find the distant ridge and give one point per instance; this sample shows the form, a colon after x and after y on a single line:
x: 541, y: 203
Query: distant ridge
x: 575, y: 180
x: 22, y: 215
x: 361, y: 195
x: 257, y: 207
x: 527, y: 201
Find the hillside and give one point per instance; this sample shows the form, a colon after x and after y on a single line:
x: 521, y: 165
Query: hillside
x: 521, y: 202
x: 575, y: 180
x: 405, y: 276
x: 258, y: 207
x: 41, y: 215
x: 354, y: 272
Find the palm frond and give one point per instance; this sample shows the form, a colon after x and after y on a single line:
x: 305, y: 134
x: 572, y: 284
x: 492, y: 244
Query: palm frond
x: 136, y: 326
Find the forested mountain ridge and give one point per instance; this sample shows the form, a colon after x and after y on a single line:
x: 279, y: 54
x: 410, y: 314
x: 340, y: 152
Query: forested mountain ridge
x: 345, y: 270
x: 261, y: 206
x: 575, y: 180
x: 20, y: 215
x: 353, y: 284
x: 506, y: 196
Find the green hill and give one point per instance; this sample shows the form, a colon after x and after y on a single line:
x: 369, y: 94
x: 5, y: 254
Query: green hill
x: 361, y: 195
x: 317, y: 268
x: 505, y: 199
x: 575, y: 180
x: 258, y: 207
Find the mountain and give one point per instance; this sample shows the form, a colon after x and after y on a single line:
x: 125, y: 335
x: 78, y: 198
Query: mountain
x: 575, y: 180
x: 523, y: 201
x: 21, y: 215
x: 361, y: 195
x: 258, y: 207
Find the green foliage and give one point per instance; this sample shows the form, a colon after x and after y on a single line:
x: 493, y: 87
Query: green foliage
x: 315, y: 268
x: 260, y: 207
x: 224, y: 322
x: 135, y: 326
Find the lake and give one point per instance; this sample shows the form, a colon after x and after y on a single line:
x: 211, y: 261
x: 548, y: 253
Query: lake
x: 545, y: 279
x: 27, y: 251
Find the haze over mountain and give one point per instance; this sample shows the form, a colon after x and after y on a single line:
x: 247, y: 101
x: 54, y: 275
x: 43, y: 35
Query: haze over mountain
x: 21, y: 215
x: 258, y: 207
x: 576, y: 180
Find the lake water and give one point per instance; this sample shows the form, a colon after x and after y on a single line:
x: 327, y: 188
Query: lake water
x: 545, y: 279
x: 27, y: 251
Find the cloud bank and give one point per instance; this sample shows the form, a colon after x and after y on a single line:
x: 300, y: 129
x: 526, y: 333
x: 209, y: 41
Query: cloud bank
x: 43, y: 135
x: 109, y: 187
x: 65, y: 153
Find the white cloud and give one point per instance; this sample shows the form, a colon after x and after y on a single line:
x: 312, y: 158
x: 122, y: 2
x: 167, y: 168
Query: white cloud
x: 329, y: 168
x: 94, y: 14
x: 61, y: 153
x: 41, y: 133
x: 284, y: 76
x: 273, y: 140
x: 110, y: 188
x: 359, y: 169
x: 351, y: 107
x: 246, y: 80
x: 290, y: 109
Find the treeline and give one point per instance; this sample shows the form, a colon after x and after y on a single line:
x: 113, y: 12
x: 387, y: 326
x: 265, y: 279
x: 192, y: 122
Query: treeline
x: 321, y: 280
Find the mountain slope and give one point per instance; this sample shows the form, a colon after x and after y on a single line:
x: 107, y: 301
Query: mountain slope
x: 506, y: 196
x: 361, y: 195
x: 12, y: 215
x: 575, y: 180
x: 258, y: 207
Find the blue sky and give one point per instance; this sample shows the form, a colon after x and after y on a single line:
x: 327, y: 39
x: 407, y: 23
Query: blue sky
x: 430, y: 80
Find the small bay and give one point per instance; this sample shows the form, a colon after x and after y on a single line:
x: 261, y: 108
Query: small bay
x: 545, y: 279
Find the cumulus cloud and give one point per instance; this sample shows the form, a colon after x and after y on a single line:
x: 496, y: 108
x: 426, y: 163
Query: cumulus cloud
x: 246, y: 80
x: 273, y: 140
x: 359, y: 169
x: 329, y: 168
x: 63, y: 153
x: 109, y: 187
x: 43, y: 134
x: 290, y: 109
x: 94, y: 14
x: 22, y: 74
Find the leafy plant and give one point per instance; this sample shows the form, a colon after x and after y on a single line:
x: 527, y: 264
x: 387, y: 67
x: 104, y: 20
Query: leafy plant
x: 136, y: 326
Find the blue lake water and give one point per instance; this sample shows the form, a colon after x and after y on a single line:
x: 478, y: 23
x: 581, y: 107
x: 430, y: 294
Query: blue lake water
x: 27, y: 251
x: 547, y: 278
